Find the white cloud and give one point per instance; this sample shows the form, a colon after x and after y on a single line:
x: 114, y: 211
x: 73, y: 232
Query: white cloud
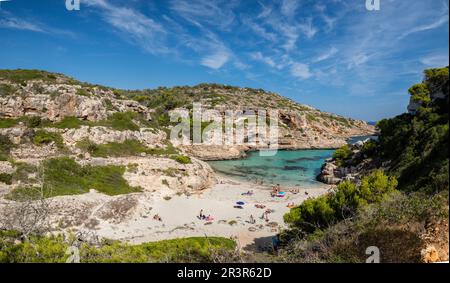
x: 308, y: 28
x: 141, y: 29
x: 357, y: 60
x: 327, y: 54
x: 15, y: 23
x: 435, y: 61
x: 301, y: 71
x: 442, y: 20
x: 216, y: 60
x: 289, y: 7
x: 198, y: 12
x: 258, y: 56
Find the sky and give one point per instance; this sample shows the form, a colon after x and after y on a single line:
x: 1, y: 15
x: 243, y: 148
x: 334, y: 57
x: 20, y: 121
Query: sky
x: 334, y: 55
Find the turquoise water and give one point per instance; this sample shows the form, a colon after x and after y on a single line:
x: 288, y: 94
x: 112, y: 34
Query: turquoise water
x: 288, y: 168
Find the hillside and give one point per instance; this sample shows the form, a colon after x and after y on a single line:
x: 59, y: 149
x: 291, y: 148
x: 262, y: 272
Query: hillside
x: 56, y: 99
x: 391, y: 193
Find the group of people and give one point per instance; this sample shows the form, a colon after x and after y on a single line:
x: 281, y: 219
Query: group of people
x: 202, y: 216
x: 275, y: 190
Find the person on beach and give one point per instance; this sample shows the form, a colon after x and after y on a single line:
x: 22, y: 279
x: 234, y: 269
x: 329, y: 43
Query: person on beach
x: 252, y: 220
x: 200, y: 216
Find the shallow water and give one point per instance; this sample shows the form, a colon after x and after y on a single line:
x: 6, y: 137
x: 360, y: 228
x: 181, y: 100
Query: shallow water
x: 288, y: 168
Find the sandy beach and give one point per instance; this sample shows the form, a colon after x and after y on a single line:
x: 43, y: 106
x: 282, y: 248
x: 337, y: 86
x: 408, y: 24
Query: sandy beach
x: 179, y: 215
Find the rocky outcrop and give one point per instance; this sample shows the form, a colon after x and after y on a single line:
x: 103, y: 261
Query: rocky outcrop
x: 102, y: 135
x: 333, y: 174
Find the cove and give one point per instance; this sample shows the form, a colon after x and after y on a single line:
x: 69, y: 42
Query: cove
x: 287, y: 167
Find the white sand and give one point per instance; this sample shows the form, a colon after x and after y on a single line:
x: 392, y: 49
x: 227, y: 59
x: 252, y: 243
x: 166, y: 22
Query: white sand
x: 179, y: 215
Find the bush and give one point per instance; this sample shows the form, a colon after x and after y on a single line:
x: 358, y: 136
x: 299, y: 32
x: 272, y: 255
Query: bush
x: 182, y: 159
x: 121, y: 121
x: 63, y: 176
x: 6, y: 178
x: 33, y: 121
x: 70, y: 123
x: 53, y: 249
x: 7, y: 123
x: 342, y: 154
x: 42, y: 137
x: 321, y: 212
x: 420, y: 93
x: 5, y: 147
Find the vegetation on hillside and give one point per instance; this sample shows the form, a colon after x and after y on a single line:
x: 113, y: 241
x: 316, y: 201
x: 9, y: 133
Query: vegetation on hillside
x: 53, y: 249
x: 387, y: 209
x: 63, y: 176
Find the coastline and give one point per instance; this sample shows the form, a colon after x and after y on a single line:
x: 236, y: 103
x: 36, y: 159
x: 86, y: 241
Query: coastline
x: 179, y: 215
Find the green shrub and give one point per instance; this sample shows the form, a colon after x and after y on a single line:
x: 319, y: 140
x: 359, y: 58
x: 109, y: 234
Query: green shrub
x: 342, y: 154
x: 83, y: 92
x: 53, y: 249
x: 23, y: 170
x: 63, y: 176
x: 6, y: 178
x: 420, y: 93
x: 70, y: 123
x: 321, y: 212
x: 6, y: 89
x: 7, y: 123
x: 369, y: 147
x: 121, y: 121
x: 182, y: 159
x: 21, y: 76
x: 33, y: 121
x: 43, y: 137
x: 5, y: 147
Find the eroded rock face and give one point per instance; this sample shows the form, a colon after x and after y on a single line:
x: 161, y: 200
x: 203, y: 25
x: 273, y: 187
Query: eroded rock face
x: 102, y: 135
x: 86, y: 108
x: 54, y: 109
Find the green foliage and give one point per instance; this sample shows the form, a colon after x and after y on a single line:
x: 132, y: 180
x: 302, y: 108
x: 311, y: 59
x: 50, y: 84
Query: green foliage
x: 38, y: 249
x: 395, y: 226
x: 342, y: 154
x: 121, y: 121
x: 21, y: 76
x: 83, y: 92
x: 33, y: 121
x: 53, y: 249
x: 126, y: 148
x: 369, y: 147
x: 23, y: 170
x: 70, y: 123
x: 321, y: 212
x: 182, y: 159
x: 420, y: 93
x: 417, y: 147
x: 6, y: 178
x: 5, y: 147
x: 7, y: 123
x: 63, y: 176
x: 6, y: 89
x: 43, y: 137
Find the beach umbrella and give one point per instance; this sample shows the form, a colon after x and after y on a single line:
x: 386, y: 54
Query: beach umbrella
x: 240, y: 203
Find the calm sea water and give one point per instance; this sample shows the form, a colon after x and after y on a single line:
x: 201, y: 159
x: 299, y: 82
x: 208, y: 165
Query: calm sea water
x: 288, y: 168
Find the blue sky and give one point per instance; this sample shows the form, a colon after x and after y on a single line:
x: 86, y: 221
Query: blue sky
x: 333, y: 54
